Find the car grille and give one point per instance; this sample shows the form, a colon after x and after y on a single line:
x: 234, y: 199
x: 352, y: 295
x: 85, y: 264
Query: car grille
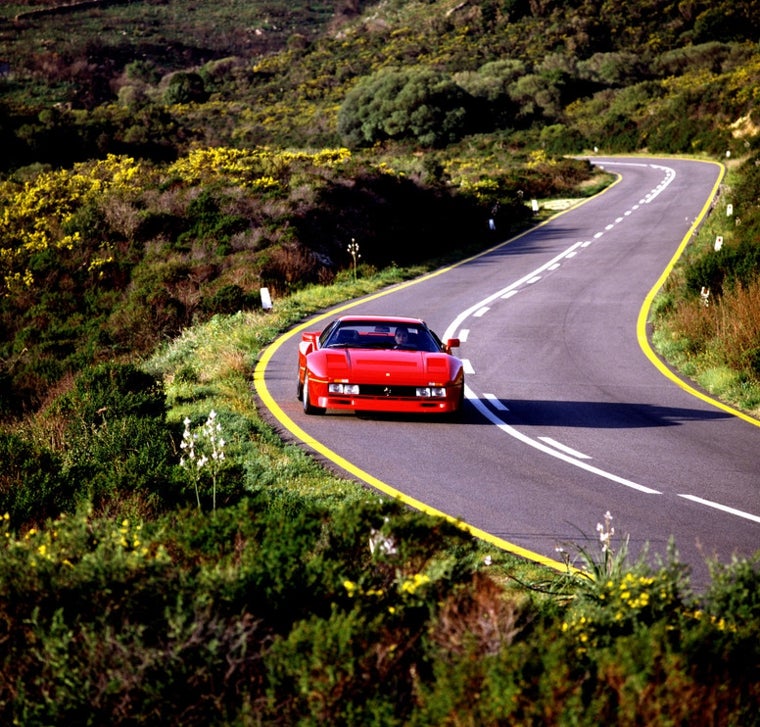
x: 390, y: 392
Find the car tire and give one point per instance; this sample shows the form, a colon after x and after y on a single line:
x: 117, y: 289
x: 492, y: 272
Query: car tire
x: 458, y: 413
x: 308, y: 408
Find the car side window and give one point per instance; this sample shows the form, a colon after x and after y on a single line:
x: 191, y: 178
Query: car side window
x: 325, y: 335
x: 436, y: 343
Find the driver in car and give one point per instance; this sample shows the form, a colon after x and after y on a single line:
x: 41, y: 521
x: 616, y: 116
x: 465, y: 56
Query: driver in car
x: 401, y: 337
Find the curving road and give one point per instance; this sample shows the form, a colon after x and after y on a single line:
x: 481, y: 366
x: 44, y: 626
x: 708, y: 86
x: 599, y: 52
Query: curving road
x: 569, y: 414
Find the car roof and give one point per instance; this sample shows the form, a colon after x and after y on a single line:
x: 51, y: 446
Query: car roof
x: 392, y: 320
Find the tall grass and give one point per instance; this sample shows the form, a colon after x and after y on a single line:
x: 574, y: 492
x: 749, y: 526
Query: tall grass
x: 713, y: 336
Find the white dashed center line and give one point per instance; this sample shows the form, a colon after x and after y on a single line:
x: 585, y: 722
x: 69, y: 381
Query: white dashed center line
x: 564, y: 448
x: 495, y: 402
x: 723, y: 508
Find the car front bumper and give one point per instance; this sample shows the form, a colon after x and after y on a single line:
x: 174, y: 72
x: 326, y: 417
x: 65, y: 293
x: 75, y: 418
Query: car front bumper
x: 411, y: 405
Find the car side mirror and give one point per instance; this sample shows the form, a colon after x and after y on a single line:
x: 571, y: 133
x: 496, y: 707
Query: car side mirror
x: 310, y: 338
x: 452, y: 343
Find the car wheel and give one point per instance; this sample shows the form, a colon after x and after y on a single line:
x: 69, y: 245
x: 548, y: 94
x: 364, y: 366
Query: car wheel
x: 299, y: 390
x: 307, y: 405
x: 458, y: 413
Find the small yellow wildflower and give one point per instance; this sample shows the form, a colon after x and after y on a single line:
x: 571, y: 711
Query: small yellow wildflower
x: 411, y: 585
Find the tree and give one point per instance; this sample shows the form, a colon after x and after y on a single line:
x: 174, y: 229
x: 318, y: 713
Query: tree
x: 185, y: 87
x: 411, y: 103
x: 489, y: 87
x: 538, y: 96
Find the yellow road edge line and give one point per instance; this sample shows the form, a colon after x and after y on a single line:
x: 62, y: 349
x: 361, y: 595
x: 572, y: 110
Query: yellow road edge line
x: 641, y: 323
x: 266, y: 398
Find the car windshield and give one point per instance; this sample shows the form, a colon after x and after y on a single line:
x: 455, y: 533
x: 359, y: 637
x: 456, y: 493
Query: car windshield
x: 373, y: 334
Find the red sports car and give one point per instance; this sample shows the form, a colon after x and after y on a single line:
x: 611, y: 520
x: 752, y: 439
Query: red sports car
x: 381, y: 364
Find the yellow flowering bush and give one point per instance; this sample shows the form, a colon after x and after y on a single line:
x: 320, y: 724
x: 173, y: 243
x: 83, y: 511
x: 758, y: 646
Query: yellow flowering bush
x: 234, y: 166
x: 71, y: 543
x: 411, y: 585
x: 34, y: 215
x: 620, y: 604
x: 483, y: 189
x: 266, y: 184
x: 538, y: 158
x: 398, y: 582
x: 409, y: 590
x: 262, y: 169
x: 615, y: 598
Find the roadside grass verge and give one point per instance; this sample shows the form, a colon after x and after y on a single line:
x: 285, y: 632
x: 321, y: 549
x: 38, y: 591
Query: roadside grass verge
x: 210, y: 368
x: 706, y: 323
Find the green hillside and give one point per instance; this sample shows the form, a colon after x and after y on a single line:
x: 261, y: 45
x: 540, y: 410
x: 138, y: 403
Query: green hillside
x: 446, y: 109
x: 668, y: 76
x: 160, y: 162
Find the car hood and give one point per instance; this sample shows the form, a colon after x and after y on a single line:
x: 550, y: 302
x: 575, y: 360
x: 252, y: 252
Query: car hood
x: 364, y: 366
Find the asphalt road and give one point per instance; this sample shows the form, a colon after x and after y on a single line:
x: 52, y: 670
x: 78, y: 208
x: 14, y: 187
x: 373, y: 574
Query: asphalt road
x: 567, y: 415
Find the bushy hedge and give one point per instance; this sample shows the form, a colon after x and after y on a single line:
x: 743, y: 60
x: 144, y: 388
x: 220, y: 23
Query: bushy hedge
x: 368, y: 614
x: 33, y: 486
x: 110, y: 447
x: 295, y: 602
x: 415, y: 103
x: 112, y: 621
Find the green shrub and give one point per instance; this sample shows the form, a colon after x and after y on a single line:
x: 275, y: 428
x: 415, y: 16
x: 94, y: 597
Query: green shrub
x: 560, y: 139
x: 229, y: 299
x: 538, y: 97
x: 492, y: 106
x: 729, y: 266
x: 206, y: 221
x: 115, y: 443
x: 734, y: 592
x: 338, y: 670
x: 404, y: 103
x: 616, y: 69
x: 710, y: 56
x: 123, y: 459
x: 33, y: 487
x: 185, y: 87
x: 722, y: 641
x: 112, y: 391
x: 100, y: 615
x: 746, y: 192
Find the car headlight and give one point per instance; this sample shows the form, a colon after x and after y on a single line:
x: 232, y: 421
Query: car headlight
x: 344, y: 389
x: 428, y: 392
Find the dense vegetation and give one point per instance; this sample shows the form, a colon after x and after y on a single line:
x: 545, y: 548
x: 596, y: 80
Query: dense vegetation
x: 151, y: 78
x: 707, y: 318
x: 165, y: 558
x: 109, y: 257
x: 300, y: 598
